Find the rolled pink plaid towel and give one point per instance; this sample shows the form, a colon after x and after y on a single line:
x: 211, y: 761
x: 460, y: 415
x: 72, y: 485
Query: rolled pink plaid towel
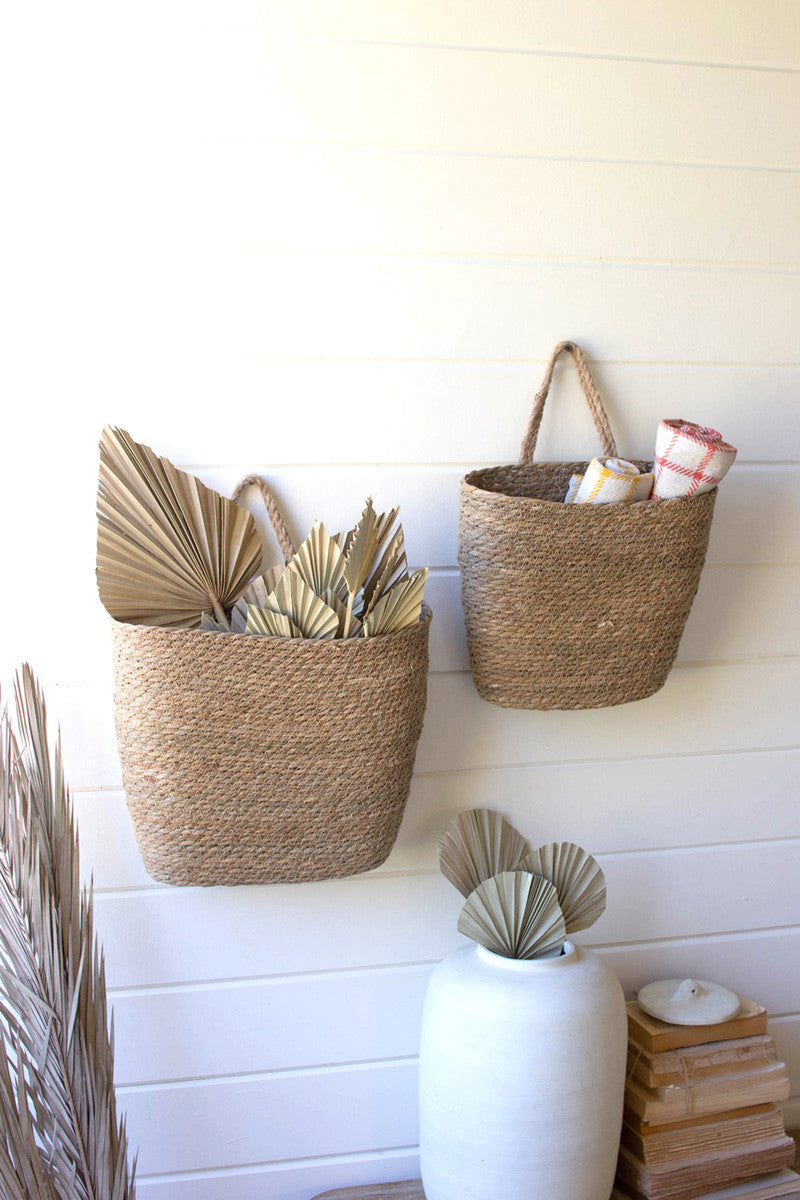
x: 689, y: 459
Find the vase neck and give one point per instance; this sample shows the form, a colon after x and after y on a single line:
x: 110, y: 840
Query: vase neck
x: 530, y: 965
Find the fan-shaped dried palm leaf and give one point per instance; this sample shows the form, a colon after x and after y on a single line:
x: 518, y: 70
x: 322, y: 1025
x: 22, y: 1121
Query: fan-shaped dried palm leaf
x: 320, y: 562
x: 267, y: 623
x: 515, y: 914
x: 61, y: 1139
x: 168, y: 548
x: 478, y: 844
x: 578, y: 879
x: 398, y: 608
x: 308, y: 611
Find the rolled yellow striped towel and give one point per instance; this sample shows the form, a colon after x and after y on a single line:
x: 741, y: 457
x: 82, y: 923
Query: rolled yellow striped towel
x: 616, y: 481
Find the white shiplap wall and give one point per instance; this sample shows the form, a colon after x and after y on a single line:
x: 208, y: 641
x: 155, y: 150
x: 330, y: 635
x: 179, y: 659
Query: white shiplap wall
x: 334, y: 243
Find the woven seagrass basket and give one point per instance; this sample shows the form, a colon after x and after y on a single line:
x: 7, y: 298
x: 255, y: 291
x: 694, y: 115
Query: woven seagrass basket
x: 259, y: 759
x: 573, y: 606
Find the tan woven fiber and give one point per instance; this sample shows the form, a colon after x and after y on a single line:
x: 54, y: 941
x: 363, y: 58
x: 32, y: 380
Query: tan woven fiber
x: 258, y: 759
x: 573, y: 606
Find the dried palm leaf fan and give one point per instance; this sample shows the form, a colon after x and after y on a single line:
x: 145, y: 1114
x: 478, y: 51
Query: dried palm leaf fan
x: 515, y: 914
x: 60, y: 1137
x: 477, y: 845
x: 168, y: 548
x: 521, y: 903
x: 276, y: 741
x: 578, y: 879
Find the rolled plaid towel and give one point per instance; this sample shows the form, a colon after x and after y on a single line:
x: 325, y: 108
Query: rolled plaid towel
x: 616, y: 481
x: 689, y: 459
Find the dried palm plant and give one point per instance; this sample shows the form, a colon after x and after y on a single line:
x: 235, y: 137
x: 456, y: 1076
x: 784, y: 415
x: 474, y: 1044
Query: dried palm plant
x: 578, y: 879
x: 355, y: 584
x: 515, y: 914
x: 175, y: 553
x: 60, y: 1138
x: 521, y: 903
x: 477, y: 845
x: 168, y: 548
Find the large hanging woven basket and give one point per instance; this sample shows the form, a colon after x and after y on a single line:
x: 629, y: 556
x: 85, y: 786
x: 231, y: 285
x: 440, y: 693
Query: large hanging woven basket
x: 573, y: 605
x: 258, y: 759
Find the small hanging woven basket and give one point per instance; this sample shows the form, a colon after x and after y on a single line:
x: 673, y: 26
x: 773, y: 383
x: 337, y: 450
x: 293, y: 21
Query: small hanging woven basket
x: 573, y: 605
x: 252, y: 759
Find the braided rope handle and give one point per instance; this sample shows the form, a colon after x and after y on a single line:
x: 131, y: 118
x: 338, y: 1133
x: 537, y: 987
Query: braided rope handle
x: 592, y: 398
x: 273, y: 512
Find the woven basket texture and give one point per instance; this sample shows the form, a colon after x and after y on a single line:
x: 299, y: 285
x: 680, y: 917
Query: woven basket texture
x: 257, y: 760
x: 573, y: 606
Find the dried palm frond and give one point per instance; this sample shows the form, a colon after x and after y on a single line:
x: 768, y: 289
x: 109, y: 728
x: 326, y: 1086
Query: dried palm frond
x: 391, y: 569
x: 308, y: 611
x: 515, y: 914
x: 320, y: 562
x: 478, y: 844
x: 268, y: 623
x: 168, y: 547
x: 61, y: 1138
x: 362, y: 547
x: 399, y: 607
x: 578, y: 879
x: 340, y: 576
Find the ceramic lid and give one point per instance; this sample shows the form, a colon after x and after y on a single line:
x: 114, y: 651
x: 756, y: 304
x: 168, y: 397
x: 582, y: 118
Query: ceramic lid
x: 688, y: 1001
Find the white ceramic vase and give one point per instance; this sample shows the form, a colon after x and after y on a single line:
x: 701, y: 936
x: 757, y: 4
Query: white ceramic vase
x: 522, y: 1075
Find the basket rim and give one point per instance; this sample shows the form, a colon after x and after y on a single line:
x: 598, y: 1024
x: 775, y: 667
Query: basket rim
x: 650, y: 504
x: 292, y: 645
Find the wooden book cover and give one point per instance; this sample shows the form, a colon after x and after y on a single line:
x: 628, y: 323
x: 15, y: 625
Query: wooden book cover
x: 687, y: 1179
x: 763, y: 1085
x: 655, y: 1035
x: 699, y: 1062
x: 711, y: 1134
x: 783, y: 1185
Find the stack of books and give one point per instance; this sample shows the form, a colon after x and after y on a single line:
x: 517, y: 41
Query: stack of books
x: 701, y: 1112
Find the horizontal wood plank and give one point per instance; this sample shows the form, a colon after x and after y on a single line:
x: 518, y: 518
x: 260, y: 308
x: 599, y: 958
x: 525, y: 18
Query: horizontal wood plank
x: 344, y: 924
x: 339, y: 1018
x: 747, y: 32
x: 191, y: 1127
x: 744, y: 962
x: 452, y: 412
x: 688, y: 803
x: 241, y: 83
x: 253, y: 303
x: 699, y: 710
x: 218, y: 1123
x: 282, y: 1181
x: 197, y: 1126
x: 382, y: 200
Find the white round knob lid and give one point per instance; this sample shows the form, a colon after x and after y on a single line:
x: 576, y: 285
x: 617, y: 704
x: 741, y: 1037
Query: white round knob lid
x: 688, y: 1001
